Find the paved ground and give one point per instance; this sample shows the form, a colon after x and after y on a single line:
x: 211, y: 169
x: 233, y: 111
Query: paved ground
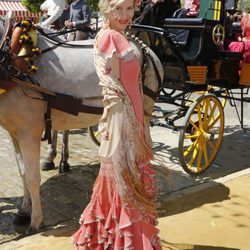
x: 214, y: 216
x: 191, y: 216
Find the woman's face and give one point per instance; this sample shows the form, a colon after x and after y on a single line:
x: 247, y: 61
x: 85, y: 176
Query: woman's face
x: 122, y: 15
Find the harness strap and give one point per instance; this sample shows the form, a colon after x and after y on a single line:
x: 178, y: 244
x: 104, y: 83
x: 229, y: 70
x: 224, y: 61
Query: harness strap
x: 155, y: 68
x: 146, y: 54
x: 150, y: 93
x: 48, y: 124
x: 58, y: 43
x: 67, y: 104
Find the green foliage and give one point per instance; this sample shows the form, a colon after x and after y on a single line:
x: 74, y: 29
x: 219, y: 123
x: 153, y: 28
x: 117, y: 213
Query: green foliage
x: 93, y: 4
x: 32, y: 5
x: 247, y: 6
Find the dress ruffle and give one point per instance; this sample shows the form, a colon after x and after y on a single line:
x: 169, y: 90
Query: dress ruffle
x: 108, y: 224
x: 111, y: 41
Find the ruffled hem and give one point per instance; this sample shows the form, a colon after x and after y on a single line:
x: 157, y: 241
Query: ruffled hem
x: 107, y: 224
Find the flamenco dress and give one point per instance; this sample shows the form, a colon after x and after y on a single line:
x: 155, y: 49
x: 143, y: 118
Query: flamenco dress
x: 122, y: 211
x: 244, y: 45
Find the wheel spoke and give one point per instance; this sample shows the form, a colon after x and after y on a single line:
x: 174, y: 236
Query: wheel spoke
x: 204, y: 148
x: 189, y: 149
x: 212, y: 110
x: 212, y: 145
x: 190, y: 137
x: 199, y: 157
x: 211, y: 125
x: 205, y: 118
x: 194, y: 125
x: 193, y: 157
x: 199, y: 116
x: 202, y: 136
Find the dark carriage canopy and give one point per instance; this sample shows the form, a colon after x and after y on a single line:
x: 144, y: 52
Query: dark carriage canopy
x: 19, y: 11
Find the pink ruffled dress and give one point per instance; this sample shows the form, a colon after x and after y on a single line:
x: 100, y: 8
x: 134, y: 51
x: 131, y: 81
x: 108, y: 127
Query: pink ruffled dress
x: 122, y: 212
x: 244, y: 45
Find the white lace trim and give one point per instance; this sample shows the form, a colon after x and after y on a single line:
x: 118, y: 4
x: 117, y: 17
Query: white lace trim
x: 126, y: 55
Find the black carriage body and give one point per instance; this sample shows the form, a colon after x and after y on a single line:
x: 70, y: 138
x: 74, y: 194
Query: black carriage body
x: 184, y: 44
x: 199, y: 73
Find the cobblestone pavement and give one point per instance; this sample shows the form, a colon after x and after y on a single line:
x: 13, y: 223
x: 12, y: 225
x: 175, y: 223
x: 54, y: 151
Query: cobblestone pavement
x: 65, y: 195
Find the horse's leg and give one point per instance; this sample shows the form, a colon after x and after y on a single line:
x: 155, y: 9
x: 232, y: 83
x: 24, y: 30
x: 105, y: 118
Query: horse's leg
x: 48, y: 162
x: 30, y: 151
x: 24, y: 213
x: 64, y: 165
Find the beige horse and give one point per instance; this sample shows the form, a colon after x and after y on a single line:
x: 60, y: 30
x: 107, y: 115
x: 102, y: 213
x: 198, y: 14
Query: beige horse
x: 69, y: 71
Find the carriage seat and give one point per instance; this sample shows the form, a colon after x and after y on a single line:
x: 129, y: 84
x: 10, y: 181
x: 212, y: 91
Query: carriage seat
x: 187, y: 22
x: 179, y: 28
x: 236, y: 28
x: 186, y: 34
x: 6, y: 26
x: 231, y: 55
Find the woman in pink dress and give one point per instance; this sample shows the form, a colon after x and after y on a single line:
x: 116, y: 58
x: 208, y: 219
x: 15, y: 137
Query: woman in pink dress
x: 243, y: 45
x: 122, y: 211
x: 245, y: 26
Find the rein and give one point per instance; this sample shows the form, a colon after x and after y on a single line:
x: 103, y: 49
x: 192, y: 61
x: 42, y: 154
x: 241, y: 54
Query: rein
x: 57, y: 42
x: 60, y: 43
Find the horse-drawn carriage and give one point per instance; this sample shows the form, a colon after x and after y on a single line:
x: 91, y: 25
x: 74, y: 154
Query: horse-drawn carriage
x: 198, y: 70
x: 200, y: 75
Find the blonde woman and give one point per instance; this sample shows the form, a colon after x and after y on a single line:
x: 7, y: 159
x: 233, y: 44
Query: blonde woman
x: 122, y: 212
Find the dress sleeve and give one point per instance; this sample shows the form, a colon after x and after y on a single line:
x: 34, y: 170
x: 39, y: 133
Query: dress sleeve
x: 110, y: 42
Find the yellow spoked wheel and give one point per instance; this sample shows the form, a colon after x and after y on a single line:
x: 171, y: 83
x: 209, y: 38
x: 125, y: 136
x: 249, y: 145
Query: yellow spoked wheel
x: 202, y: 133
x: 95, y: 135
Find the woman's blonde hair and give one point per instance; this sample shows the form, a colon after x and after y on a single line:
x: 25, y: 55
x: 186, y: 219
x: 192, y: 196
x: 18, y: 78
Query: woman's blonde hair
x: 105, y: 6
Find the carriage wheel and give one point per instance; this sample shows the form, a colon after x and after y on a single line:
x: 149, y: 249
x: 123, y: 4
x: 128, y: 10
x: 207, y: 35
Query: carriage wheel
x: 201, y: 136
x: 95, y: 135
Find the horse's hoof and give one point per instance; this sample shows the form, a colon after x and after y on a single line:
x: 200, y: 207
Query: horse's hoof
x: 31, y: 230
x: 48, y: 166
x: 64, y: 167
x: 22, y: 219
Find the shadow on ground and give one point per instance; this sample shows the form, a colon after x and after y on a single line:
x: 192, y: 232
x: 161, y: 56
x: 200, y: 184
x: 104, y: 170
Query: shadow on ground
x: 65, y: 196
x: 175, y: 246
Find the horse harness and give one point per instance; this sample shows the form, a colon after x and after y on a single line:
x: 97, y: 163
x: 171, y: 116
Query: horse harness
x: 62, y: 102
